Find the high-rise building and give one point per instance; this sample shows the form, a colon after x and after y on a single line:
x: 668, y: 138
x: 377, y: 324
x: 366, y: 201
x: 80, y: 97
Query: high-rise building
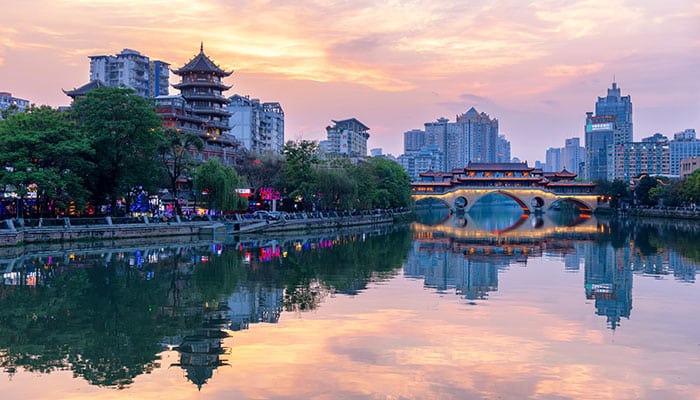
x: 573, y: 155
x: 600, y: 133
x: 503, y: 149
x: 428, y: 158
x: 630, y: 160
x: 611, y: 125
x: 472, y: 137
x: 683, y: 145
x: 133, y: 70
x: 621, y: 108
x: 553, y: 158
x: 413, y: 140
x: 347, y: 137
x: 259, y: 127
x: 7, y: 101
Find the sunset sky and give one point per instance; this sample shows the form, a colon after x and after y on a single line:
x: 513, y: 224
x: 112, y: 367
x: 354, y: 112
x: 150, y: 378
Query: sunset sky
x: 394, y: 65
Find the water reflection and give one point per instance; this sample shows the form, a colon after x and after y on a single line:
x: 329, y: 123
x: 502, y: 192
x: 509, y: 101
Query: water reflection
x: 468, y: 256
x: 110, y: 315
x: 107, y: 314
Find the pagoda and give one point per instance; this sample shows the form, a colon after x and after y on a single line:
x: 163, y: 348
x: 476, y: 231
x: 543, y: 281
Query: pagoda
x: 201, y: 87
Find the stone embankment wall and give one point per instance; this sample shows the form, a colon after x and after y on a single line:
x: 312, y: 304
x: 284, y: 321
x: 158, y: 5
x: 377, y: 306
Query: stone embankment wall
x: 12, y: 236
x: 668, y: 212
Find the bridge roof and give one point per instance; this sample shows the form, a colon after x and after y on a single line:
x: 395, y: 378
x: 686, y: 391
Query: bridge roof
x: 474, y: 166
x: 431, y: 184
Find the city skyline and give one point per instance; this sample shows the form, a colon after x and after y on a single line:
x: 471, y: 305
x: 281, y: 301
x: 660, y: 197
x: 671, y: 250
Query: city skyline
x: 536, y: 68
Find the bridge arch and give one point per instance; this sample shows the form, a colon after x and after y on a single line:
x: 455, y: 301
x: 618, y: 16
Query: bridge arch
x: 580, y: 204
x: 514, y: 197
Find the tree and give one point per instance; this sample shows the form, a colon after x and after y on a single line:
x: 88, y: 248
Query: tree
x: 642, y: 189
x: 123, y: 127
x: 391, y: 185
x: 217, y: 185
x: 299, y: 169
x: 690, y: 188
x: 260, y: 170
x: 618, y: 191
x: 338, y: 190
x: 175, y: 158
x: 43, y: 152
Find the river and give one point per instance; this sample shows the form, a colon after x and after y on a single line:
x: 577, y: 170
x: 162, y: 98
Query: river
x: 488, y: 305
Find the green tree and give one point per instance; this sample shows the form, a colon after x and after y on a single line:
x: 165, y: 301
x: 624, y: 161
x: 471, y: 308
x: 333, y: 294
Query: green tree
x: 260, y: 170
x: 337, y: 189
x: 216, y: 186
x: 618, y: 191
x: 690, y: 188
x: 299, y: 170
x: 176, y: 160
x: 391, y: 184
x: 43, y: 152
x: 124, y: 130
x: 642, y: 189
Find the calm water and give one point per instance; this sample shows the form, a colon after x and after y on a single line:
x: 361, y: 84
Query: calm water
x: 478, y: 306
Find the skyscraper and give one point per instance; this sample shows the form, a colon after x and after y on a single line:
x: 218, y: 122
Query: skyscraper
x: 472, y: 137
x: 611, y: 125
x: 259, y: 127
x: 621, y: 108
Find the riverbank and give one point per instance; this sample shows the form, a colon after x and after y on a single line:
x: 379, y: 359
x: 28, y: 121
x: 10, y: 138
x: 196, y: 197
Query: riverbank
x: 20, y: 232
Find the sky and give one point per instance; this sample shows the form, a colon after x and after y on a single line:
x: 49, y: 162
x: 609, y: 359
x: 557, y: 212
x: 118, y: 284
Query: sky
x: 394, y: 65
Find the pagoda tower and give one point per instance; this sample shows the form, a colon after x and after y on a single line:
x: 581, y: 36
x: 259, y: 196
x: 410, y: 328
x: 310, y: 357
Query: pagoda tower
x: 201, y: 87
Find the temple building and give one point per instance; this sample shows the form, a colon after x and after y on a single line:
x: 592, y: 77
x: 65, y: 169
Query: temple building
x: 201, y: 107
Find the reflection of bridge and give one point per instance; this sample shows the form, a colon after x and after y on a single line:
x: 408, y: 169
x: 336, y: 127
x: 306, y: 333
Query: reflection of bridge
x: 526, y: 229
x: 531, y: 188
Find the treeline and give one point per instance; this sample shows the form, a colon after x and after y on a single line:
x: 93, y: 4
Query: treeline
x: 651, y: 191
x: 110, y: 151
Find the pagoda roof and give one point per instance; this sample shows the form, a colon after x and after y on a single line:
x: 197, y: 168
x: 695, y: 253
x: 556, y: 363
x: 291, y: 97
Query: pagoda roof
x: 565, y: 173
x: 83, y: 90
x: 478, y: 166
x: 202, y: 63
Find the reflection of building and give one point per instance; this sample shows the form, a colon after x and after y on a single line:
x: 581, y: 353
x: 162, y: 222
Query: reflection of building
x: 443, y: 264
x: 253, y: 305
x: 608, y: 281
x: 200, y: 353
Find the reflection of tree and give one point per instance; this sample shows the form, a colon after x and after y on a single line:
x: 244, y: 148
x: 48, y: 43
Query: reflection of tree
x: 347, y: 268
x: 102, y: 323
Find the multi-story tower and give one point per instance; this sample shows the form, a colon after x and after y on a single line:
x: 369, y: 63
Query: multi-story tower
x: 133, y: 70
x: 621, y: 108
x: 258, y: 127
x: 347, y: 138
x: 201, y: 86
x: 600, y: 132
